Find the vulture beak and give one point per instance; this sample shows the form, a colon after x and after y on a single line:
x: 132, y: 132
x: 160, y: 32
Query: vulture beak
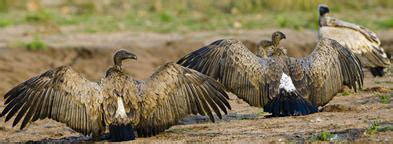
x: 122, y: 55
x: 131, y: 56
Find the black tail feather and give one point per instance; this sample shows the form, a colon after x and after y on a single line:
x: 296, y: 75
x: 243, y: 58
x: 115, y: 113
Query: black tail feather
x: 389, y: 55
x: 121, y: 132
x: 289, y: 104
x: 377, y: 71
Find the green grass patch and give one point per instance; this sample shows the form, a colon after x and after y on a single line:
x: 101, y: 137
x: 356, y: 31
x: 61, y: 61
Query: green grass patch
x: 41, y: 16
x: 376, y: 127
x: 386, y: 23
x: 384, y: 99
x: 165, y: 17
x: 323, y: 136
x: 5, y: 22
x: 282, y: 21
x: 372, y: 129
x: 3, y: 5
x: 186, y: 16
x: 36, y: 44
x: 346, y: 93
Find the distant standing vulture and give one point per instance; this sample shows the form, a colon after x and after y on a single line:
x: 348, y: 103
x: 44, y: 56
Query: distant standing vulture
x: 278, y: 81
x: 117, y: 101
x: 361, y: 41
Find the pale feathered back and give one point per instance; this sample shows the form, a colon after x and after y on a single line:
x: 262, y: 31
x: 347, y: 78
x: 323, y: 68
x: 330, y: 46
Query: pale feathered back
x: 360, y: 40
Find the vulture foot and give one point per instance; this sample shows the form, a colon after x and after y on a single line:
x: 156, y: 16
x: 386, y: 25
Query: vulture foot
x: 289, y: 104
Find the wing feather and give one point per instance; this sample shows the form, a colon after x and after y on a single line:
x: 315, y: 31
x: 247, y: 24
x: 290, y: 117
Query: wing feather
x: 320, y: 75
x: 174, y: 92
x: 249, y: 77
x: 60, y: 94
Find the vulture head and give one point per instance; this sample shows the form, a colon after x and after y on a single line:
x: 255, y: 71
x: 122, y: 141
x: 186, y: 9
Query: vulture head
x: 323, y: 9
x: 122, y: 55
x: 277, y: 37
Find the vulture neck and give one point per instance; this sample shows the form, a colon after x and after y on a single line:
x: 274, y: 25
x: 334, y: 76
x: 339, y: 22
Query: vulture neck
x: 323, y: 20
x: 117, y: 61
x: 113, y: 70
x: 276, y: 42
x: 261, y: 52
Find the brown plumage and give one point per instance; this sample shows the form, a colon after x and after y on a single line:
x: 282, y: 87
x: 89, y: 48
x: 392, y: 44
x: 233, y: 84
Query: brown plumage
x: 263, y: 47
x: 150, y: 106
x: 266, y: 48
x: 318, y: 76
x: 361, y: 41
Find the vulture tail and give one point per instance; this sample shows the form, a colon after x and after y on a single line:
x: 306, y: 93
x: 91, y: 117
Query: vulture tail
x: 380, y: 71
x: 377, y: 71
x: 289, y: 104
x: 121, y: 132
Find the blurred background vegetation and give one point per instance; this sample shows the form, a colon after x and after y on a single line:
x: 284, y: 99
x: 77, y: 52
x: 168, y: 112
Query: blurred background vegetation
x: 188, y: 15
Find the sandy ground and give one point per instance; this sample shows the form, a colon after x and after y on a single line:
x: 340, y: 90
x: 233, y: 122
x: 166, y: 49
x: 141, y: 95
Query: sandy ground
x: 347, y: 117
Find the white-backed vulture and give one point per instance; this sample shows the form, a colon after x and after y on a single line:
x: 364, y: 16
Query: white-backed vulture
x: 361, y: 41
x: 117, y: 101
x: 258, y: 81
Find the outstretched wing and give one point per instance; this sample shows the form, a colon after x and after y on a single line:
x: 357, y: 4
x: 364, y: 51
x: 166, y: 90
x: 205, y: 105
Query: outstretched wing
x: 173, y: 92
x: 361, y: 41
x: 60, y: 94
x: 321, y: 75
x: 251, y: 78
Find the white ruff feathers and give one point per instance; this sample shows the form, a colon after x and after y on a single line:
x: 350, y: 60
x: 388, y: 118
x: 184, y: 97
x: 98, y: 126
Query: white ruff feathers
x: 120, y: 112
x: 286, y: 83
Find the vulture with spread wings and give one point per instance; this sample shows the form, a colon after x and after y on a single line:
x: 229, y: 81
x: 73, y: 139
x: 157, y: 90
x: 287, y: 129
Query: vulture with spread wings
x: 117, y: 101
x: 284, y: 85
x: 361, y: 41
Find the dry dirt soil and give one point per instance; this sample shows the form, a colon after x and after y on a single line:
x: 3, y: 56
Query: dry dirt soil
x: 346, y: 117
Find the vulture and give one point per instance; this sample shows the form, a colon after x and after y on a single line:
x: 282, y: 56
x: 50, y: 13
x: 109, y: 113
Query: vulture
x: 361, y: 41
x: 117, y: 102
x: 282, y: 85
x: 263, y: 47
